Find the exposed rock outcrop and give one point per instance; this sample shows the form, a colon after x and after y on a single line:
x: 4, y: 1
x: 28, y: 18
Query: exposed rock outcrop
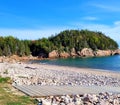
x: 116, y: 52
x: 87, y: 52
x: 53, y: 54
x: 16, y: 58
x: 103, y: 53
x: 64, y: 55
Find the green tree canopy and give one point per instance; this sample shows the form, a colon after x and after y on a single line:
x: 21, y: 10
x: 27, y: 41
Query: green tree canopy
x: 64, y: 41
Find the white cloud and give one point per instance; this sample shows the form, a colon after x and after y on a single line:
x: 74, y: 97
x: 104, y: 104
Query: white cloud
x: 117, y: 22
x: 91, y: 18
x: 111, y: 8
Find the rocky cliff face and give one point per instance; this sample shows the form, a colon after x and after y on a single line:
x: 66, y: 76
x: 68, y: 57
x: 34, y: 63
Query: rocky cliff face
x: 53, y: 54
x: 86, y: 52
x: 103, y: 53
x: 116, y: 52
x: 64, y: 55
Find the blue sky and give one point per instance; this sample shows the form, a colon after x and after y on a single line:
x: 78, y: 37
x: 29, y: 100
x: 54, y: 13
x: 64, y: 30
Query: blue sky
x: 33, y: 19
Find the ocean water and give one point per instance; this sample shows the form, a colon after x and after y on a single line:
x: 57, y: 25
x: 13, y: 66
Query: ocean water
x: 111, y: 63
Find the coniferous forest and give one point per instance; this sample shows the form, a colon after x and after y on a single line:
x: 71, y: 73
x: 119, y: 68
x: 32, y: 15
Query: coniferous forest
x: 64, y: 41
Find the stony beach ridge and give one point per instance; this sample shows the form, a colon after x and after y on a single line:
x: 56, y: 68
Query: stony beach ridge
x: 43, y: 74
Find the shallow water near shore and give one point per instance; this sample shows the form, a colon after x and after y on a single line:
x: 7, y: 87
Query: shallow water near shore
x: 111, y: 63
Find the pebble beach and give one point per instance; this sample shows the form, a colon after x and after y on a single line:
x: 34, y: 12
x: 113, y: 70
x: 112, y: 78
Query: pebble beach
x: 43, y: 74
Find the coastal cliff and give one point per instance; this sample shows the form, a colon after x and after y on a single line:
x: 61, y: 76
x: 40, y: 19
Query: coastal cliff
x: 85, y: 52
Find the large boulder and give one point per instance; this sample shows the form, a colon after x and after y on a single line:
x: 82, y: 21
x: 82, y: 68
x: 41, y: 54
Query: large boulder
x: 86, y: 52
x: 53, y: 54
x: 103, y: 53
x: 64, y: 55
